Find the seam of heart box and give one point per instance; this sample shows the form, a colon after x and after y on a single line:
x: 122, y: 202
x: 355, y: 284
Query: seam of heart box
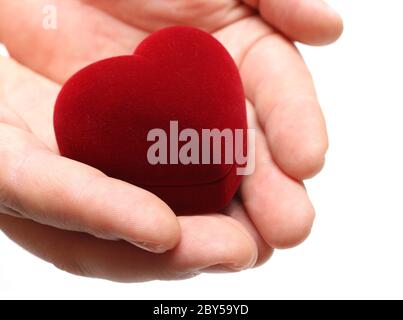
x: 195, y: 184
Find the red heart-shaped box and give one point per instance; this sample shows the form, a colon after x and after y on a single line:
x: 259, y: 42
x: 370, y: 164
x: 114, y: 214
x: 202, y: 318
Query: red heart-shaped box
x: 105, y: 112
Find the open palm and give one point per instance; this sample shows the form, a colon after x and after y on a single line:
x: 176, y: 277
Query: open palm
x: 89, y: 224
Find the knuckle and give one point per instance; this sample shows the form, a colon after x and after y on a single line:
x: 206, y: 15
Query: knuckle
x: 89, y: 195
x: 16, y: 150
x: 9, y: 168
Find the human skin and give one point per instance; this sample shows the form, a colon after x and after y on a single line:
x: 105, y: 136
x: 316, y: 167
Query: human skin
x: 88, y: 224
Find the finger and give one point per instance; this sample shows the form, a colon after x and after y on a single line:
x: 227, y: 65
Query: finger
x: 240, y: 36
x: 278, y: 205
x: 83, y: 35
x: 239, y: 217
x: 31, y: 97
x: 206, y: 241
x: 309, y: 21
x: 69, y: 195
x: 152, y: 15
x: 280, y: 86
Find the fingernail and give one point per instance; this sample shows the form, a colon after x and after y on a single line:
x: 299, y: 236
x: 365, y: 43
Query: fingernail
x: 237, y: 268
x: 187, y: 276
x: 153, y: 248
x: 224, y: 268
x: 233, y: 267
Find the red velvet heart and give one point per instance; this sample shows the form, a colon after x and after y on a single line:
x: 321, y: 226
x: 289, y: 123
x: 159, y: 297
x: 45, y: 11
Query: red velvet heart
x: 105, y: 112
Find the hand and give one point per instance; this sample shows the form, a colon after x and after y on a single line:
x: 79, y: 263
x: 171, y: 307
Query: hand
x: 58, y: 197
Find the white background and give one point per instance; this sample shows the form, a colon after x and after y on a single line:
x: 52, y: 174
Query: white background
x: 356, y: 248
